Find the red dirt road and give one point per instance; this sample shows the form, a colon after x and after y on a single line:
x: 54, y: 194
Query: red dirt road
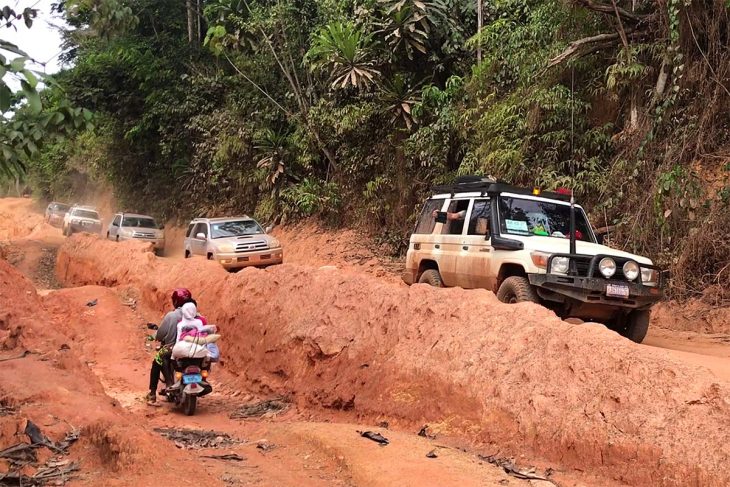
x: 352, y: 349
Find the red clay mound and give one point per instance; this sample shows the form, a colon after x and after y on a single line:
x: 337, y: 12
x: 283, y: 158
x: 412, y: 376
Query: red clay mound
x: 515, y: 377
x: 19, y: 218
x: 51, y: 387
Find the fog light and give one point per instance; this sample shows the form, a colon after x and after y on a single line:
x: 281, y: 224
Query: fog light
x: 607, y: 266
x: 204, y: 374
x: 178, y: 375
x: 631, y: 270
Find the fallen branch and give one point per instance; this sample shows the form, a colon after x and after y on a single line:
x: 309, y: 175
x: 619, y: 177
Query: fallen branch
x: 584, y: 46
x: 229, y: 456
x: 16, y: 357
x: 610, y: 10
x: 512, y: 469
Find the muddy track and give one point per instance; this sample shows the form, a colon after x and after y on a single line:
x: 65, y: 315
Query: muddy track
x: 349, y: 348
x: 71, y: 367
x: 513, y: 378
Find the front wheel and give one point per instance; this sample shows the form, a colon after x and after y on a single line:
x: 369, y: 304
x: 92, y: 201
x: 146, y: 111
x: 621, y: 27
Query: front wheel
x: 636, y: 325
x: 517, y: 289
x: 432, y: 278
x: 189, y: 403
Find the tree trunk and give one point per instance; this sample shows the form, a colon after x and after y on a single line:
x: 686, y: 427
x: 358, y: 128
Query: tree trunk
x: 191, y: 19
x: 479, y: 30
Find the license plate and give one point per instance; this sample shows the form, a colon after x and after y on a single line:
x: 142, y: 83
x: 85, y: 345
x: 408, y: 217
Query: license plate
x: 617, y: 290
x: 192, y: 378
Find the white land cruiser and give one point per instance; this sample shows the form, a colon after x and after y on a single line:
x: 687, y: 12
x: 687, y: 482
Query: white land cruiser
x: 479, y: 233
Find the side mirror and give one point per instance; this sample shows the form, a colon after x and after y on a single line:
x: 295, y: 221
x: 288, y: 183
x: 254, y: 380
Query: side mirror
x: 160, y: 226
x: 268, y: 229
x: 200, y: 236
x: 600, y: 237
x: 115, y: 224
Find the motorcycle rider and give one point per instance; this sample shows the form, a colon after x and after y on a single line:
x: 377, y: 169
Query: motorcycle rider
x: 167, y: 335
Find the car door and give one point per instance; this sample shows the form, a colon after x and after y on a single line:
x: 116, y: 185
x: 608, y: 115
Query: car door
x: 197, y: 245
x: 114, y: 227
x: 449, y: 243
x: 474, y: 266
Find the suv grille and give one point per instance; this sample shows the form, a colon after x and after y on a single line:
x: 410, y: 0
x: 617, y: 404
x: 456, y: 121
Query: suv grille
x: 251, y: 246
x: 143, y: 235
x: 583, y: 264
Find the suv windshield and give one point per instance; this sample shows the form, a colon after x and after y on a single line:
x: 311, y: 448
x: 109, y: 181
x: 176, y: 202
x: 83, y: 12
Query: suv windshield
x: 92, y: 215
x: 140, y: 222
x: 60, y: 207
x: 234, y: 228
x: 530, y: 217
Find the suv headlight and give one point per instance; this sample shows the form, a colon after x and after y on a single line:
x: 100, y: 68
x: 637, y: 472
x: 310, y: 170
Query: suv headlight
x: 631, y: 270
x: 226, y: 248
x: 649, y: 277
x: 607, y: 266
x: 274, y: 243
x: 560, y: 265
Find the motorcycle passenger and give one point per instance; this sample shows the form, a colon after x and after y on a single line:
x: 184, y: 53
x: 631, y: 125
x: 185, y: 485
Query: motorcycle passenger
x: 167, y: 336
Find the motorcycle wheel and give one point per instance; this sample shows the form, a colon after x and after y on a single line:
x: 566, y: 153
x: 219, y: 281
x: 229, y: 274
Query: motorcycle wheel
x: 189, y: 403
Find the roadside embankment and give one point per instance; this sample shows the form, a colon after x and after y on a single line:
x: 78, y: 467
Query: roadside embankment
x: 46, y: 382
x: 514, y: 379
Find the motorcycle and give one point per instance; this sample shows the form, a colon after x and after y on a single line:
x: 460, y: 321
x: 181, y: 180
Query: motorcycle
x: 185, y: 380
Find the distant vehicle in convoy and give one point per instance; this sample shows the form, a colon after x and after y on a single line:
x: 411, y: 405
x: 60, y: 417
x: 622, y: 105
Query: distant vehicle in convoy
x: 233, y: 242
x: 530, y: 245
x: 55, y: 212
x: 81, y: 219
x: 131, y: 226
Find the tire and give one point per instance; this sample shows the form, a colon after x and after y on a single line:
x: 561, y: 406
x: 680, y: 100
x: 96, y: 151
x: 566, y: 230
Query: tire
x: 189, y: 403
x: 107, y: 235
x: 432, y: 278
x: 210, y: 256
x: 187, y: 254
x: 517, y: 289
x: 636, y: 325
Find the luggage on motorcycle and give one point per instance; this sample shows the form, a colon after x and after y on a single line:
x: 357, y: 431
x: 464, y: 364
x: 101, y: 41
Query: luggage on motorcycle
x: 214, y: 353
x: 202, y: 340
x: 185, y: 349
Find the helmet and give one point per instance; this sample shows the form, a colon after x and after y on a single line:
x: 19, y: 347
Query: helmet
x: 181, y: 296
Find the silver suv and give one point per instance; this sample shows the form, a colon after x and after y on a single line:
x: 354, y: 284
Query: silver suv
x: 130, y: 226
x: 233, y: 242
x: 55, y: 212
x: 81, y: 219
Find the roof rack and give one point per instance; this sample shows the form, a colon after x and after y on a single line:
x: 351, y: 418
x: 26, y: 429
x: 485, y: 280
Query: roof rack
x: 490, y: 185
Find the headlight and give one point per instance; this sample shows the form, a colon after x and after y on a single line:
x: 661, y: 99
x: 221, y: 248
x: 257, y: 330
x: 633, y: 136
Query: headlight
x: 75, y: 221
x: 649, y: 277
x: 540, y: 259
x: 226, y: 248
x: 631, y: 270
x: 607, y: 266
x: 274, y: 243
x: 560, y: 265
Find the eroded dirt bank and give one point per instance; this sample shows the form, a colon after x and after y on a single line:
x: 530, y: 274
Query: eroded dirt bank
x: 44, y: 379
x: 509, y: 378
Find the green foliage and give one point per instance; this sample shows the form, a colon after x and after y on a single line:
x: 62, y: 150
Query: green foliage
x: 311, y: 197
x: 345, y: 51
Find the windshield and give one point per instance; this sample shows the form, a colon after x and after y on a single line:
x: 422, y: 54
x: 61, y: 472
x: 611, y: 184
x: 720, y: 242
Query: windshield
x: 60, y: 207
x: 529, y: 217
x: 234, y: 228
x: 139, y: 222
x: 86, y: 214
